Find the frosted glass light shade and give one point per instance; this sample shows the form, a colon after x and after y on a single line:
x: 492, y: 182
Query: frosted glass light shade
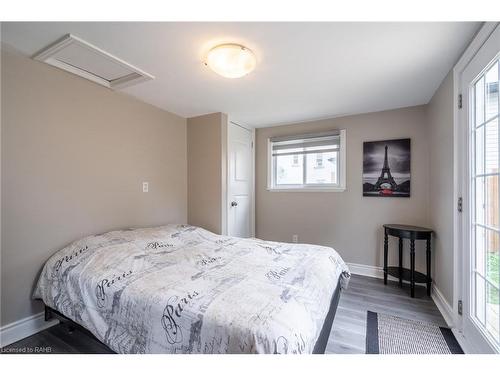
x: 231, y: 60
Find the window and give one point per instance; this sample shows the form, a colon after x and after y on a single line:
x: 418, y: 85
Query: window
x: 486, y: 203
x: 308, y: 162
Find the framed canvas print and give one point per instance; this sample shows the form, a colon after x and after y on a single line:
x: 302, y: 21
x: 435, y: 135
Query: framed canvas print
x: 386, y: 168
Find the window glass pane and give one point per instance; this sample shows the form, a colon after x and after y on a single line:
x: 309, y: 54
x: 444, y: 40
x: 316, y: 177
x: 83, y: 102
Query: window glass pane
x: 480, y: 150
x: 491, y: 201
x: 480, y: 200
x: 480, y: 299
x: 288, y: 171
x: 491, y: 147
x: 480, y: 250
x: 491, y: 86
x: 492, y: 311
x: 319, y: 160
x: 479, y: 96
x: 492, y: 245
x: 321, y: 168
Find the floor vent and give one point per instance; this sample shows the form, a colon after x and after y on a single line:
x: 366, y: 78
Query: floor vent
x: 76, y: 56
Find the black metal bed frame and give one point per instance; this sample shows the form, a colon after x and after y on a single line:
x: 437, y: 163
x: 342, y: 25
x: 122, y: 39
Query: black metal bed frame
x: 51, y: 313
x: 319, y: 347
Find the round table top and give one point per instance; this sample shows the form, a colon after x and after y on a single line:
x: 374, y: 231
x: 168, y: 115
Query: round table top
x: 410, y: 228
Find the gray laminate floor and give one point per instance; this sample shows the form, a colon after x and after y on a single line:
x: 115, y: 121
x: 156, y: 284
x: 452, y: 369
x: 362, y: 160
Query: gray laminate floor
x: 365, y: 293
x: 347, y: 336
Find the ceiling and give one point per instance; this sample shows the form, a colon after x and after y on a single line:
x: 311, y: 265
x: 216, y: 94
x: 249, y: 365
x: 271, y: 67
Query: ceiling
x: 304, y: 70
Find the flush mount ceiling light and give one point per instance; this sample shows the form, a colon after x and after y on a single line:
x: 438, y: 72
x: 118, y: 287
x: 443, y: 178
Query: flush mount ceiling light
x: 231, y: 60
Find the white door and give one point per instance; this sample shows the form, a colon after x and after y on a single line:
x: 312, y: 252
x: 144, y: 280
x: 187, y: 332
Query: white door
x: 240, y: 181
x: 481, y: 216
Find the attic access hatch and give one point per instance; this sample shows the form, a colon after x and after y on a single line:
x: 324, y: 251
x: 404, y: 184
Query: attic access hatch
x: 76, y: 56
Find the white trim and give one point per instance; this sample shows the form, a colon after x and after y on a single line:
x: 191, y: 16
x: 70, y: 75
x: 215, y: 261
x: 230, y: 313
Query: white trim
x: 474, y: 46
x: 224, y: 152
x: 371, y: 271
x: 23, y: 328
x: 366, y: 270
x: 253, y: 182
x: 443, y: 306
x: 343, y: 159
x: 269, y: 164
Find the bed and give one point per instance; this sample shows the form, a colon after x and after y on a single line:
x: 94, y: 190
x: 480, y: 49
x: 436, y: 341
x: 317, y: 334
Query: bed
x: 182, y: 289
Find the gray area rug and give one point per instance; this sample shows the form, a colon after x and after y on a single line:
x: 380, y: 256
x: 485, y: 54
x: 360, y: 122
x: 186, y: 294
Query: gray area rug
x: 386, y: 334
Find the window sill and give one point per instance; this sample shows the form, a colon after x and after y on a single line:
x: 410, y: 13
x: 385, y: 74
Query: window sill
x: 307, y: 190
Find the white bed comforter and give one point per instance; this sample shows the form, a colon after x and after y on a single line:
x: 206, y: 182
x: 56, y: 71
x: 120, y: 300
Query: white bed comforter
x: 182, y: 289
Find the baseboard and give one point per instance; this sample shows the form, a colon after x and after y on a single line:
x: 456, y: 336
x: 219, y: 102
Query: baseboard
x: 370, y: 271
x: 443, y: 306
x: 23, y: 328
x: 378, y: 272
x: 365, y: 270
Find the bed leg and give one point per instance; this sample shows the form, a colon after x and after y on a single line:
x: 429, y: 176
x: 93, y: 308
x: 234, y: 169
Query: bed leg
x: 48, y: 314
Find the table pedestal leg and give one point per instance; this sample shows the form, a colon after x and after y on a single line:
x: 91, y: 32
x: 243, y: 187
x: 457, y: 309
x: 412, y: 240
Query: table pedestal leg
x: 400, y: 262
x: 428, y: 252
x: 386, y: 248
x: 412, y: 267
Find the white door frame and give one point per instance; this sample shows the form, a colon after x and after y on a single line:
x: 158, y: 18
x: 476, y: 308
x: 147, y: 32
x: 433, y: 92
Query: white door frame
x: 225, y: 199
x: 461, y: 179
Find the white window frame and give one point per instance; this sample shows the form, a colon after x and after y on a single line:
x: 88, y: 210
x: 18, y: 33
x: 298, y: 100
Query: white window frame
x: 341, y: 162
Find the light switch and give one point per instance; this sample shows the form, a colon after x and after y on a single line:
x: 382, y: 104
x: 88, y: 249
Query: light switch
x: 145, y: 187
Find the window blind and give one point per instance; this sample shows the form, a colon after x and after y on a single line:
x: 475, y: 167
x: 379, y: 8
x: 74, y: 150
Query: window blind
x: 306, y: 144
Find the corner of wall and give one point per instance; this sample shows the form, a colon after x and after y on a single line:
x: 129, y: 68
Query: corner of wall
x: 224, y: 170
x: 206, y: 169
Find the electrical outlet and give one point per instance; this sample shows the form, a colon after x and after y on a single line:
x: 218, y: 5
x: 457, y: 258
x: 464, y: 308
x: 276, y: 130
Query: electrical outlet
x: 145, y: 187
x: 295, y: 238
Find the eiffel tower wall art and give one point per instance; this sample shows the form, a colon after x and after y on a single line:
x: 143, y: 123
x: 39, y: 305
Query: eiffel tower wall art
x: 386, y: 168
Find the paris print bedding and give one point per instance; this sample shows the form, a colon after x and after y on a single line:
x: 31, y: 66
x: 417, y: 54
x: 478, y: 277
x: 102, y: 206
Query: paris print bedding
x: 182, y: 289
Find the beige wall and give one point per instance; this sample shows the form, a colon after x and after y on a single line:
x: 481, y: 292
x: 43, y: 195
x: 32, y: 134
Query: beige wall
x: 74, y: 156
x: 442, y: 205
x: 347, y: 221
x: 206, y: 170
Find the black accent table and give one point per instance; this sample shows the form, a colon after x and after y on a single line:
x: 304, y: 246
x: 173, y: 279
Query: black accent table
x: 412, y: 233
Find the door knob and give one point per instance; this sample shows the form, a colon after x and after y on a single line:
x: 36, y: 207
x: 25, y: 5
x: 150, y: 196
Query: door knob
x: 233, y: 204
